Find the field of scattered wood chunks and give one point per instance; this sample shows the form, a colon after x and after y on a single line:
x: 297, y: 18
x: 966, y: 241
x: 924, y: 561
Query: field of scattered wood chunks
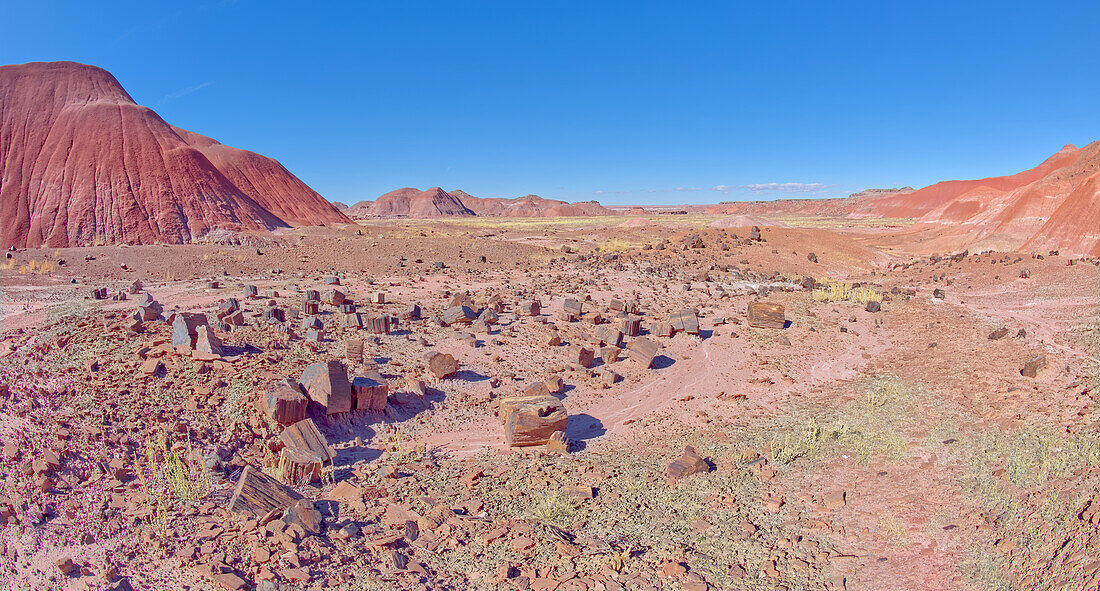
x: 439, y: 406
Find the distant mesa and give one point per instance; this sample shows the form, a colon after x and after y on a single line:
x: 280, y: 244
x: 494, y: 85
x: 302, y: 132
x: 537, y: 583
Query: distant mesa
x: 82, y: 163
x: 437, y: 203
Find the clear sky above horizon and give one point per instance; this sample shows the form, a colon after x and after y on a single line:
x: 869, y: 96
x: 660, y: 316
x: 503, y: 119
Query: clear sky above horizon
x: 623, y: 102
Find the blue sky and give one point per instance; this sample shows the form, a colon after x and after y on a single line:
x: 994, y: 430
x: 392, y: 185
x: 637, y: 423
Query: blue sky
x: 624, y: 102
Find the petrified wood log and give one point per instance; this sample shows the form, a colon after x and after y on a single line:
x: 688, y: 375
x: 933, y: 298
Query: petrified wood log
x: 258, y: 494
x: 532, y: 420
x: 766, y: 315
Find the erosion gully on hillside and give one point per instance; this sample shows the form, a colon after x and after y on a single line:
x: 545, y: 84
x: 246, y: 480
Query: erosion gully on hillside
x: 888, y: 433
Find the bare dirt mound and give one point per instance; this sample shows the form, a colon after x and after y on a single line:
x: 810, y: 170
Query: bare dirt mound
x: 80, y: 162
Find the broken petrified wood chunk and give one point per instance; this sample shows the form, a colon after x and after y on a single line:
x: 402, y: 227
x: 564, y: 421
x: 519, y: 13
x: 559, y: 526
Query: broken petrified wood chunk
x: 459, y: 315
x: 353, y: 350
x: 609, y: 336
x: 531, y: 420
x: 558, y: 443
x: 305, y: 515
x: 583, y: 356
x: 607, y: 377
x: 489, y: 316
x: 554, y: 385
x: 326, y: 383
x: 311, y: 307
x: 335, y: 297
x: 685, y: 320
x: 304, y: 455
x: 630, y: 326
x: 766, y: 315
x: 415, y: 386
x: 207, y: 342
x: 687, y: 464
x: 546, y: 387
x: 572, y: 309
x: 442, y: 365
x: 377, y: 325
x: 1033, y: 366
x: 371, y: 391
x: 305, y: 435
x: 663, y: 329
x: 183, y: 328
x: 258, y: 494
x: 274, y: 314
x: 536, y: 389
x: 642, y: 350
x: 297, y: 467
x: 285, y: 403
x: 462, y: 299
x: 353, y: 320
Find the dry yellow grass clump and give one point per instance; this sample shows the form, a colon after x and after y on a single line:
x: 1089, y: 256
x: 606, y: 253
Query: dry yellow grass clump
x: 32, y: 266
x: 831, y: 290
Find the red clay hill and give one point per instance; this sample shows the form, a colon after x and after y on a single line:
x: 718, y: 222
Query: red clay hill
x: 81, y: 162
x: 435, y: 203
x: 411, y: 203
x: 1054, y: 206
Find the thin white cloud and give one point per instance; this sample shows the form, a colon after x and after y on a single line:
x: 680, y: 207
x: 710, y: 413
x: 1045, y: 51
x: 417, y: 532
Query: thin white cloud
x: 182, y: 93
x: 781, y: 187
x: 812, y: 188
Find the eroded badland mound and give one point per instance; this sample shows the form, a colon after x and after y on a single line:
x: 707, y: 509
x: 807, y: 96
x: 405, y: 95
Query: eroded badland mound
x: 81, y: 162
x: 1053, y: 206
x: 411, y: 203
x: 436, y: 202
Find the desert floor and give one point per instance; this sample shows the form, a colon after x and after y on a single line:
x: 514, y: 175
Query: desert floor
x: 894, y: 449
